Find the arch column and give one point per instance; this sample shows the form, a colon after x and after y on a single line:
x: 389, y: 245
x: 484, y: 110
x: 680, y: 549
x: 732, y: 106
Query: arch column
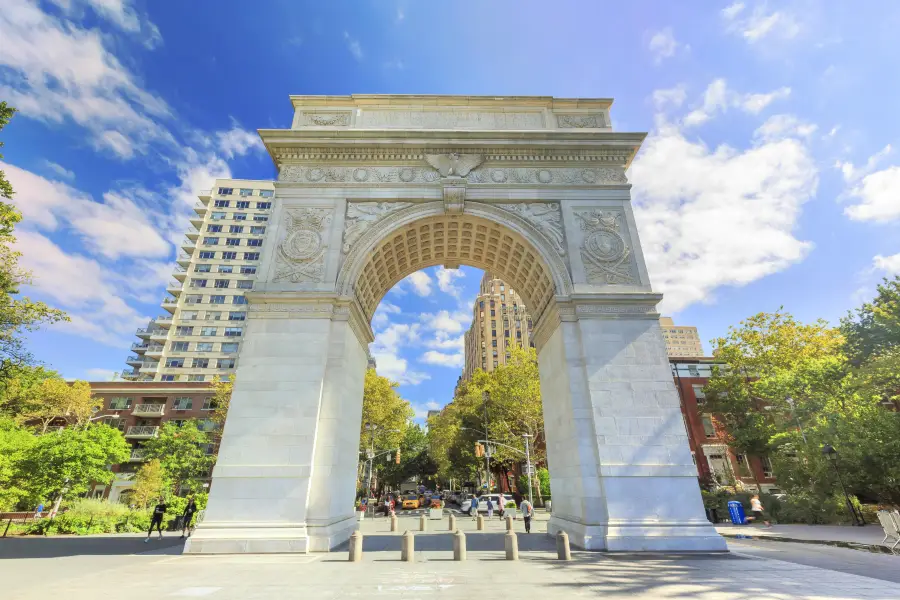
x: 622, y: 477
x: 289, y: 453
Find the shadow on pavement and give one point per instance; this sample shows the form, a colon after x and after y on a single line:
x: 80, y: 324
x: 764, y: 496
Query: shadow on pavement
x: 57, y: 546
x: 436, y: 542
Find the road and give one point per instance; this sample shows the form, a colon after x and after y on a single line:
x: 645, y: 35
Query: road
x: 844, y: 560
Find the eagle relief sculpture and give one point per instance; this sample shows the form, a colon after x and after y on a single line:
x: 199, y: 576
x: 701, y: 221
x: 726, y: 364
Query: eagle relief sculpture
x: 454, y: 164
x: 300, y: 255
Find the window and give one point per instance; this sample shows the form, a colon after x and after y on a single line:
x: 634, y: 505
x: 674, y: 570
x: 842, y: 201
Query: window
x: 217, y: 299
x: 248, y: 270
x: 221, y: 283
x: 743, y: 465
x: 183, y: 403
x: 189, y: 315
x: 196, y: 377
x: 251, y: 255
x: 229, y: 255
x: 493, y: 333
x: 494, y: 352
x: 214, y: 229
x: 210, y: 241
x: 226, y: 191
x: 236, y: 229
x: 519, y: 334
x: 245, y: 284
x: 708, y: 428
x: 218, y: 216
x: 263, y: 205
x: 183, y: 330
x: 206, y: 425
x: 258, y: 230
x: 120, y: 403
x: 225, y: 269
x: 233, y: 242
x: 179, y: 346
x: 699, y: 394
x: 222, y: 203
x: 481, y: 304
x: 229, y: 347
x: 207, y: 254
x: 254, y: 243
x: 204, y: 347
x: 167, y: 378
x: 226, y: 363
x: 493, y: 324
x: 495, y: 364
x: 213, y: 315
x: 193, y: 299
x: 242, y: 204
x: 237, y: 316
x: 506, y: 333
x: 768, y: 471
x: 175, y: 363
x: 208, y: 404
x: 198, y: 283
x: 233, y: 331
x: 208, y: 449
x: 201, y: 363
x: 208, y: 331
x: 238, y: 300
x: 239, y: 216
x: 260, y: 218
x: 494, y: 343
x: 202, y: 268
x: 246, y: 192
x: 266, y: 193
x: 493, y: 313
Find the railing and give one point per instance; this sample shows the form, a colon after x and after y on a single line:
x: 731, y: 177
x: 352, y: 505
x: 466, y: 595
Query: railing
x: 149, y: 409
x: 155, y: 348
x: 180, y: 269
x: 142, y: 431
x: 132, y: 359
x: 183, y: 255
x: 126, y: 374
x: 136, y: 346
x: 204, y: 193
x: 138, y: 455
x: 169, y: 300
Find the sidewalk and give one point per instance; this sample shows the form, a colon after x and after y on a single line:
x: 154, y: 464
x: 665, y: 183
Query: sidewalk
x: 862, y: 538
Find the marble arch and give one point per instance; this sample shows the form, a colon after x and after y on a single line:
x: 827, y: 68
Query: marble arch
x: 372, y: 188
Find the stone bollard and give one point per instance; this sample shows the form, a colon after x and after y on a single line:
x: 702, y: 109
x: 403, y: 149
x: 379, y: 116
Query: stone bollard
x: 511, y: 541
x: 459, y: 546
x: 562, y: 546
x: 509, y: 523
x: 451, y: 523
x: 408, y: 547
x: 479, y: 523
x: 394, y: 525
x: 356, y: 546
x: 423, y: 523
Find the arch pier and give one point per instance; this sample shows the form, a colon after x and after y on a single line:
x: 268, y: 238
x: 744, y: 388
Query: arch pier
x: 373, y: 188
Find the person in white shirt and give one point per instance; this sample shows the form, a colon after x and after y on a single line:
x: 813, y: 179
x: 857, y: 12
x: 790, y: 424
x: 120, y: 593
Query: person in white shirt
x: 527, y: 511
x: 756, y: 508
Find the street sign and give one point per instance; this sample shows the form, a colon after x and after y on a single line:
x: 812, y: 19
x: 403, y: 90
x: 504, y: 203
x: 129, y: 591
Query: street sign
x: 529, y: 470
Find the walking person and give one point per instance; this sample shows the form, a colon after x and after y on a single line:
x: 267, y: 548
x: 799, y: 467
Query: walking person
x: 758, y: 511
x: 159, y: 511
x: 188, y: 516
x: 490, y: 507
x: 473, y: 508
x: 527, y: 511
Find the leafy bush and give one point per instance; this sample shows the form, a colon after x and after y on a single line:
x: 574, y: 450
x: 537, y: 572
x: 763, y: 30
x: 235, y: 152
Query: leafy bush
x: 510, y: 504
x: 814, y: 509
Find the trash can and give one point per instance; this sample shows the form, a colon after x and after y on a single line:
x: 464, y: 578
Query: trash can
x: 548, y: 505
x: 736, y: 512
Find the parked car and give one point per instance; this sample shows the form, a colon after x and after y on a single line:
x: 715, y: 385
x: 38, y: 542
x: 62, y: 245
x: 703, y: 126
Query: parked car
x: 498, y: 500
x: 411, y: 501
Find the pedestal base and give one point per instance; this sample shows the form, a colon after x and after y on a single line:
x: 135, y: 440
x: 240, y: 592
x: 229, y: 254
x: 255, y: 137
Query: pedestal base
x: 641, y: 537
x: 260, y: 539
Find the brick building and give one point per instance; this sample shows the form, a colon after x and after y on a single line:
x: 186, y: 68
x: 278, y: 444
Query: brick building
x: 137, y: 409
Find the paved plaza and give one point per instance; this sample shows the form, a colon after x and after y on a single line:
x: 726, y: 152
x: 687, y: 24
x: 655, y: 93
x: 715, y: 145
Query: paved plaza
x: 88, y: 567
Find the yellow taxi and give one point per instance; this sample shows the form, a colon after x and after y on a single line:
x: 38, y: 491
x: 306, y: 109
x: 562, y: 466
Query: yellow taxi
x: 411, y: 501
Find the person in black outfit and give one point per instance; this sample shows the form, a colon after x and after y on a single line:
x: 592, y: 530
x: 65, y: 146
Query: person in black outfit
x: 188, y: 516
x: 159, y: 511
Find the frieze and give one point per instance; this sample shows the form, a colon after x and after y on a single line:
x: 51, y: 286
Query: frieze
x: 449, y: 119
x: 605, y: 251
x: 624, y: 309
x: 580, y: 121
x: 357, y: 175
x: 576, y: 176
x: 545, y: 216
x: 496, y: 154
x: 360, y: 215
x: 341, y: 119
x: 300, y: 257
x: 292, y: 308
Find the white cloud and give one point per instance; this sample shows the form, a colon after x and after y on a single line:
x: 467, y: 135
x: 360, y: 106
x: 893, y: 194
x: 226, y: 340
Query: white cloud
x: 780, y: 126
x: 672, y: 97
x: 891, y: 264
x: 440, y: 359
x: 59, y: 170
x: 101, y: 374
x: 663, y: 45
x: 237, y: 141
x: 386, y: 351
x: 718, y: 98
x: 353, y: 46
x: 446, y: 322
x: 852, y: 173
x: 446, y: 277
x: 759, y: 24
x: 380, y: 319
x: 420, y: 282
x: 877, y: 195
x: 722, y: 216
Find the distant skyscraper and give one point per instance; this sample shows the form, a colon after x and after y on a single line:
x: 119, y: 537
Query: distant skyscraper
x: 200, y: 336
x: 500, y: 321
x: 681, y: 341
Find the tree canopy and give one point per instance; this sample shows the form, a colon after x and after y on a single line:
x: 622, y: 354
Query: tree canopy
x: 182, y: 455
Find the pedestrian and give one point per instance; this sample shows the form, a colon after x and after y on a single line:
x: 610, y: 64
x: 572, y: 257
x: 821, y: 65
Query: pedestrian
x: 473, y: 508
x: 39, y: 510
x: 393, y: 505
x: 188, y: 516
x: 758, y: 511
x: 490, y: 507
x: 527, y: 511
x: 159, y: 511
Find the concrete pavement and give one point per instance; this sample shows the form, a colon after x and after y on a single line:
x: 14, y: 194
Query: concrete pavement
x: 868, y: 537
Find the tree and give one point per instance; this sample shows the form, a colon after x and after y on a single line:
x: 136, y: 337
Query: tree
x: 415, y: 461
x: 15, y: 441
x: 221, y: 399
x: 149, y: 483
x: 16, y: 393
x: 71, y: 460
x: 875, y: 327
x: 180, y: 451
x: 384, y: 413
x: 18, y: 314
x: 54, y: 399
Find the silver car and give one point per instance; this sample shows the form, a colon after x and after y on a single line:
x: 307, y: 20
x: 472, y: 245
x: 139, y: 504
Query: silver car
x: 498, y: 500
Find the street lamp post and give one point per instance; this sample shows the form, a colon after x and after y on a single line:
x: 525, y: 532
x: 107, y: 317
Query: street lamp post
x: 528, y: 467
x: 485, y: 396
x: 832, y: 456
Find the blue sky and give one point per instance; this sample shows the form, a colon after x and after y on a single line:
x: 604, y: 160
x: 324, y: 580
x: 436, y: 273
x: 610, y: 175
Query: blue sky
x: 770, y: 175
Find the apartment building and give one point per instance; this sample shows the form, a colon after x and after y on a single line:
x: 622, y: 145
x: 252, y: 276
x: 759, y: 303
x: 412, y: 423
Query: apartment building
x: 500, y: 321
x: 681, y: 340
x: 138, y: 409
x: 199, y: 334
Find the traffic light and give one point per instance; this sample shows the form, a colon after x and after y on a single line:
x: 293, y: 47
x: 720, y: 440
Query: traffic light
x: 479, y: 450
x: 397, y: 457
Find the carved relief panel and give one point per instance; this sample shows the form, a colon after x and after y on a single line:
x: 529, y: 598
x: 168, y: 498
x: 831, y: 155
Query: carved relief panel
x: 361, y: 215
x: 300, y: 253
x: 606, y: 248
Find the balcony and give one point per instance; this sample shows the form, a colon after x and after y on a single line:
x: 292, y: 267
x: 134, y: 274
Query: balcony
x: 163, y: 320
x: 180, y: 273
x: 134, y: 360
x: 129, y: 374
x: 188, y: 245
x: 170, y: 304
x: 138, y: 455
x: 174, y: 287
x: 139, y: 348
x: 143, y: 332
x: 196, y: 220
x: 149, y: 410
x: 142, y: 432
x: 200, y: 208
x: 184, y: 258
x: 154, y: 349
x: 192, y: 233
x: 204, y: 195
x: 158, y: 333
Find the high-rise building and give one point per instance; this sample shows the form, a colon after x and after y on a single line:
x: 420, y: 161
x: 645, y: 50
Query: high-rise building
x: 681, y: 341
x: 499, y: 322
x: 200, y: 334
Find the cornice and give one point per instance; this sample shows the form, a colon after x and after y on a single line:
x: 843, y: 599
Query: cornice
x: 406, y: 155
x: 441, y: 100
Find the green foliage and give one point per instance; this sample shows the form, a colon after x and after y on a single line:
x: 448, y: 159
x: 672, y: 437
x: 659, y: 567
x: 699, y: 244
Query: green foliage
x: 874, y: 329
x: 179, y: 451
x: 6, y: 113
x: 18, y: 389
x: 384, y: 415
x: 149, y: 483
x: 85, y: 516
x: 221, y: 398
x: 14, y: 443
x: 51, y: 399
x: 415, y: 460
